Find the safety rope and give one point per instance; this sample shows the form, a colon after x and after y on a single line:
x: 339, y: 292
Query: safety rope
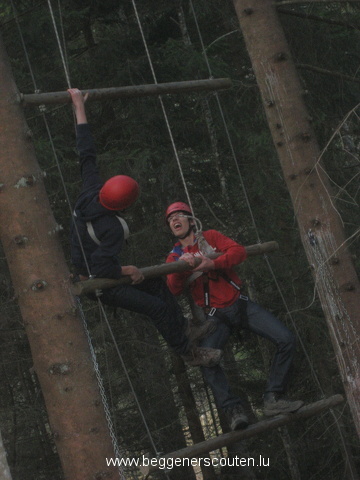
x: 61, y: 49
x: 163, y: 108
x: 24, y: 46
x: 228, y: 136
x: 164, y: 114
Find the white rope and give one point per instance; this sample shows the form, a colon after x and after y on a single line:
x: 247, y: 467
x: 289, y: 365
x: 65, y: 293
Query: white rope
x: 61, y: 50
x: 163, y: 109
x: 24, y: 46
x: 228, y: 136
x: 166, y: 121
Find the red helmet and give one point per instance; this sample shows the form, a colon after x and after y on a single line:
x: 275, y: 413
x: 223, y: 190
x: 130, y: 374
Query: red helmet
x: 119, y: 192
x: 177, y: 207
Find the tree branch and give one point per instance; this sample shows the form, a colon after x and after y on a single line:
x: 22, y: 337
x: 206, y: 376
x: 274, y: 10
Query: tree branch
x: 293, y: 2
x: 323, y: 71
x: 318, y: 19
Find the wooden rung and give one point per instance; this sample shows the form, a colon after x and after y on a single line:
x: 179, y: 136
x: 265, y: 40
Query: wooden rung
x: 129, y: 91
x: 87, y: 286
x: 263, y: 426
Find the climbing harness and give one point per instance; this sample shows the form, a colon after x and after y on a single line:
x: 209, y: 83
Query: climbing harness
x: 91, y: 231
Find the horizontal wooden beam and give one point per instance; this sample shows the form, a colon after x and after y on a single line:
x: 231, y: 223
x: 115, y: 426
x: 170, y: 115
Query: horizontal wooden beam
x: 87, y: 286
x: 258, y: 428
x: 128, y: 92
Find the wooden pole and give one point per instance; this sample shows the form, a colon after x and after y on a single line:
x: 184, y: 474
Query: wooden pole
x: 251, y: 431
x: 128, y: 92
x: 87, y: 286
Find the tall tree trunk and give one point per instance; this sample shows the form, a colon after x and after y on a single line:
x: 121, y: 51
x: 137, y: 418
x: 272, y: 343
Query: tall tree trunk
x: 320, y: 226
x: 60, y: 351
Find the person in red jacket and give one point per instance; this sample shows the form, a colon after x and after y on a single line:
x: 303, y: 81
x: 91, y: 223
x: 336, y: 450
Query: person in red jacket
x: 216, y: 288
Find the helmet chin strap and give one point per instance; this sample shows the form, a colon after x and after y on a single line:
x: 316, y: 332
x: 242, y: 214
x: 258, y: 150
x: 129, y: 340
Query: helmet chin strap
x: 191, y: 229
x: 195, y: 227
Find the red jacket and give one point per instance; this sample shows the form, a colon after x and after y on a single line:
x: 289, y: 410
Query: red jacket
x: 221, y: 292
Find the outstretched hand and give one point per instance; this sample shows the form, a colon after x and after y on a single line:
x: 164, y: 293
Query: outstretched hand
x: 134, y: 273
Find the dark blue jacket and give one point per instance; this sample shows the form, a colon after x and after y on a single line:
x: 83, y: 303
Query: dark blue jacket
x: 102, y: 259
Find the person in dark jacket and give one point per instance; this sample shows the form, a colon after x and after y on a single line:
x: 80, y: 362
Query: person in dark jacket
x: 216, y: 288
x: 97, y: 238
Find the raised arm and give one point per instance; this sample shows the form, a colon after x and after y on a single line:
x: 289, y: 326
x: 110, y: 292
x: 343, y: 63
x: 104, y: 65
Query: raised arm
x: 85, y: 142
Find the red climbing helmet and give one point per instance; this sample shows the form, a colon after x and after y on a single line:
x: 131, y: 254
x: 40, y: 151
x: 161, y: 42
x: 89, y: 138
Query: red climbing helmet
x: 119, y: 192
x: 177, y: 207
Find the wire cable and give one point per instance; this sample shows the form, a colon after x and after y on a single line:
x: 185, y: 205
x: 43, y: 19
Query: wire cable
x: 163, y: 108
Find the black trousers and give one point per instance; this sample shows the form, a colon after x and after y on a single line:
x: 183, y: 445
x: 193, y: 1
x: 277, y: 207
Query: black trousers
x: 152, y: 298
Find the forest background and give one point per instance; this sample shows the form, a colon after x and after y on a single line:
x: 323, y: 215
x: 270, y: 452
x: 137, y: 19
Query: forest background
x: 237, y: 188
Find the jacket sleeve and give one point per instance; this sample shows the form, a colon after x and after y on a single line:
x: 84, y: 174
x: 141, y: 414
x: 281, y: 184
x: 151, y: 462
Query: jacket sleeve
x: 176, y: 281
x: 86, y: 148
x: 232, y: 252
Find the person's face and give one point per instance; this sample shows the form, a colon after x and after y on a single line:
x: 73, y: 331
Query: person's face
x: 178, y: 223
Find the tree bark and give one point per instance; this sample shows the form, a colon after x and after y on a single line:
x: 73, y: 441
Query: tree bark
x: 319, y: 222
x: 60, y: 351
x: 4, y: 467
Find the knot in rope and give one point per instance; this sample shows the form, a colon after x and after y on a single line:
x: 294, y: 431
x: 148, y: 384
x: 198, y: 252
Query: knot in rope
x: 204, y: 247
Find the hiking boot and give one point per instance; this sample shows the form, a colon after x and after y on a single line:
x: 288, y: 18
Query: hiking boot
x: 202, y: 356
x: 197, y: 331
x: 275, y: 403
x: 236, y: 417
